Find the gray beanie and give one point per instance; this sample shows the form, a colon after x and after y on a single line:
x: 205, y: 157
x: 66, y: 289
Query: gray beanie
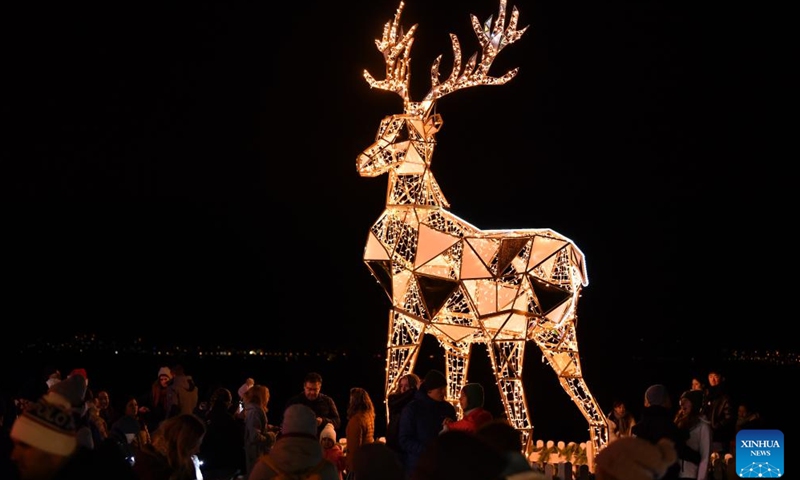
x: 299, y: 419
x: 656, y: 395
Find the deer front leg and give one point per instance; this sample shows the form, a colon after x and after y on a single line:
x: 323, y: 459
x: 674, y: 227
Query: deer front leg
x: 457, y: 364
x: 560, y: 349
x: 507, y: 360
x: 405, y: 337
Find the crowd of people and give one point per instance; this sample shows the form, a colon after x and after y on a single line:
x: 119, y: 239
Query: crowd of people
x: 60, y: 429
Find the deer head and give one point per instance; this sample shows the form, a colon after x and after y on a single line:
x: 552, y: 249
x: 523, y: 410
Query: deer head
x: 405, y: 141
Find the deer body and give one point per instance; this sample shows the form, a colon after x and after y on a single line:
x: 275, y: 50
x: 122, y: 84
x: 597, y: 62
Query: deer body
x: 447, y: 278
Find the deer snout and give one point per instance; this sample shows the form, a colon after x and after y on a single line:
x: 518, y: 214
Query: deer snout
x: 366, y: 163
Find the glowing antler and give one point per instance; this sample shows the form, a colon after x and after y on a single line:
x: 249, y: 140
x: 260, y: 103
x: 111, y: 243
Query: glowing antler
x: 396, y: 49
x: 492, y: 40
x: 396, y: 52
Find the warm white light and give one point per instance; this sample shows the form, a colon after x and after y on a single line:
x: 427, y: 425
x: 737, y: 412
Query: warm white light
x: 447, y: 278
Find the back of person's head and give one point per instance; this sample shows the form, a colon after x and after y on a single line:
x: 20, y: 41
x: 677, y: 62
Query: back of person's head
x: 221, y: 398
x: 360, y: 401
x: 72, y: 391
x: 433, y: 379
x: 299, y: 419
x: 502, y: 435
x: 632, y: 458
x: 459, y: 455
x: 257, y: 394
x: 376, y: 461
x: 657, y: 395
x: 413, y: 380
x: 180, y: 437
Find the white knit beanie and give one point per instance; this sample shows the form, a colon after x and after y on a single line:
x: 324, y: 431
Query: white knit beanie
x: 48, y: 424
x: 328, y: 432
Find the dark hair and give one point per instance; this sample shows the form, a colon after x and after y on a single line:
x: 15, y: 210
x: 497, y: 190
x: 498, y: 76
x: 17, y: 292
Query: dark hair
x: 222, y: 397
x: 413, y: 380
x: 313, y: 377
x: 501, y: 434
x: 459, y: 455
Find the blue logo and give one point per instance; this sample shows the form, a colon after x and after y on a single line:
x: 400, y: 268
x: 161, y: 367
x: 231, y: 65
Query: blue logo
x: 759, y: 454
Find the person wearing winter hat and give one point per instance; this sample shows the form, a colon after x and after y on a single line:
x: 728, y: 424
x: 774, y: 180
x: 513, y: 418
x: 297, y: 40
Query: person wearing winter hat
x: 87, y: 432
x: 297, y: 449
x: 183, y: 393
x: 433, y: 380
x: 88, y: 396
x: 331, y: 450
x: 657, y: 395
x: 247, y: 385
x: 49, y: 423
x: 45, y: 445
x: 631, y: 458
x: 80, y: 371
x: 154, y: 406
x: 656, y: 422
x: 475, y: 416
x: 424, y: 418
x: 166, y: 373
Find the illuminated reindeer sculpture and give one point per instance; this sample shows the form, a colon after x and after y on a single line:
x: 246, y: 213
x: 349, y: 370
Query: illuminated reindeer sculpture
x: 456, y: 282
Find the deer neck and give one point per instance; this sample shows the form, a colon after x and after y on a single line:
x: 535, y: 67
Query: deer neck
x: 415, y: 190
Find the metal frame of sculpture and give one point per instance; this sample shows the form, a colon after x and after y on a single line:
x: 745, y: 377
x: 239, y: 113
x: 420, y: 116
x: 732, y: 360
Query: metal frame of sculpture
x: 446, y: 277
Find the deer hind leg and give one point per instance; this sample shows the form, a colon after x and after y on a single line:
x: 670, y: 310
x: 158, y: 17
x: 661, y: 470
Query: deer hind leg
x: 507, y: 358
x: 405, y: 337
x: 560, y: 348
x: 457, y: 364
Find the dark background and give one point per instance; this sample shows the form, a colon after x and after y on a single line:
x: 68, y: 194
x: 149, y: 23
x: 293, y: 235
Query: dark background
x: 186, y: 171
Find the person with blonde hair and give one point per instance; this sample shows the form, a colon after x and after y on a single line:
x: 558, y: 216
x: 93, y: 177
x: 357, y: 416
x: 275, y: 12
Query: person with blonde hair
x: 172, y: 451
x: 259, y: 435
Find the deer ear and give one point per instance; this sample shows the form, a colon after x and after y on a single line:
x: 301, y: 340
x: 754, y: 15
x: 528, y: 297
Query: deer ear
x: 433, y: 123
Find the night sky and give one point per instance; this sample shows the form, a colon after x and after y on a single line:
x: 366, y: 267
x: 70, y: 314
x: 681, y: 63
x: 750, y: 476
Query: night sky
x: 195, y: 161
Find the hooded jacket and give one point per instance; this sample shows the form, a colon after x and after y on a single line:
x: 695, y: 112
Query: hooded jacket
x: 294, y: 454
